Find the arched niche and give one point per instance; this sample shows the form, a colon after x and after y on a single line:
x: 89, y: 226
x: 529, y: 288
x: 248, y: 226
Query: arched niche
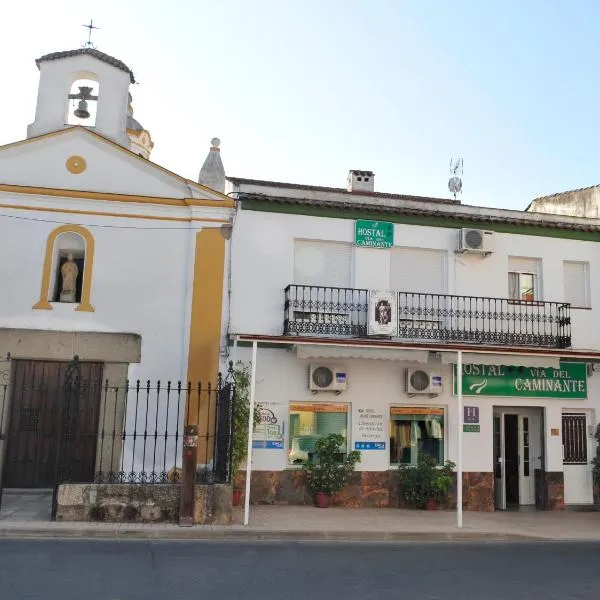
x: 72, y: 244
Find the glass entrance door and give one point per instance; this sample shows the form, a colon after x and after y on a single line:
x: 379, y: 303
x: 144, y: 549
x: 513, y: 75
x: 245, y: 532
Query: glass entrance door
x: 499, y: 488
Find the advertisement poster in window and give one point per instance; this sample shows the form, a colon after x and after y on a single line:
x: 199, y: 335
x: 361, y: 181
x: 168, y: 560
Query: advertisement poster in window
x: 370, y: 430
x: 268, y: 434
x: 383, y: 313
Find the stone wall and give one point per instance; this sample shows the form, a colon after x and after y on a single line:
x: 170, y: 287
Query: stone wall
x: 365, y: 489
x: 139, y: 503
x: 555, y: 490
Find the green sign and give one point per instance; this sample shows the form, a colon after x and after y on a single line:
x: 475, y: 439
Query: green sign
x: 374, y: 234
x: 471, y: 428
x: 568, y: 381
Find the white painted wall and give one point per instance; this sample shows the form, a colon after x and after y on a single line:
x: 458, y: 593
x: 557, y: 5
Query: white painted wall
x: 108, y: 169
x: 141, y: 271
x: 283, y: 378
x: 263, y: 250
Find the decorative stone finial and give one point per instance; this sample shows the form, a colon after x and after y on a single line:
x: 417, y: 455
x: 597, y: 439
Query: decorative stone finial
x: 212, y: 173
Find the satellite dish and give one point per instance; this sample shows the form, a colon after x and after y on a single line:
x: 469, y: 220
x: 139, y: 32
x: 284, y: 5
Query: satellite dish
x: 455, y: 181
x: 455, y: 185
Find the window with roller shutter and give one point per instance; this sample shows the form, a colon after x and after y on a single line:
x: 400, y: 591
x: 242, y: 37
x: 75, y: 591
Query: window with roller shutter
x: 576, y: 283
x: 418, y: 270
x: 322, y: 263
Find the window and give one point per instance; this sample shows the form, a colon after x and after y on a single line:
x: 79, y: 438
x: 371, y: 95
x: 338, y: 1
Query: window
x: 414, y: 432
x: 523, y: 279
x: 311, y: 421
x: 322, y: 263
x: 418, y: 270
x: 574, y: 439
x: 576, y: 283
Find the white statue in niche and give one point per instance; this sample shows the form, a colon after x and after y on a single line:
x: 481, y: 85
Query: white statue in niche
x: 69, y: 272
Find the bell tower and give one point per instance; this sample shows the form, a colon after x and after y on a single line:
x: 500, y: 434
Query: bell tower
x: 83, y: 87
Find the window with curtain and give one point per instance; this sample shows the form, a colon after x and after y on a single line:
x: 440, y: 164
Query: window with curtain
x: 576, y: 283
x: 414, y: 432
x: 309, y: 422
x: 523, y: 279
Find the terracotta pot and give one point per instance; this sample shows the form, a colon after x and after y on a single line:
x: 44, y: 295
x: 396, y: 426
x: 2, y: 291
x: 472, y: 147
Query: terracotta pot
x: 322, y: 500
x: 431, y: 504
x: 236, y: 497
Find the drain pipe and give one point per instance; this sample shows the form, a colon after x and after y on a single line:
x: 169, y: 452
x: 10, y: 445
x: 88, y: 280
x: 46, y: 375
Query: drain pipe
x: 459, y: 465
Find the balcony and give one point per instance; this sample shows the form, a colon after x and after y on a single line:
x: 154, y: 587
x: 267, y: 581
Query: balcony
x: 344, y: 313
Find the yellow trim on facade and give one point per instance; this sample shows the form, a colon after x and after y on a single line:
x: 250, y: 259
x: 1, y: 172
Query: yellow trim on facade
x: 95, y: 213
x: 64, y: 193
x: 206, y: 315
x: 88, y: 267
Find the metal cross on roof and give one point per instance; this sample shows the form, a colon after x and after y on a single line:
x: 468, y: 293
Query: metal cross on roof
x: 90, y: 26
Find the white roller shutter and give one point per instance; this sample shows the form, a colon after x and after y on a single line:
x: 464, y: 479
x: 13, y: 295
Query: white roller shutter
x: 519, y: 264
x: 418, y: 270
x: 575, y: 282
x: 318, y: 262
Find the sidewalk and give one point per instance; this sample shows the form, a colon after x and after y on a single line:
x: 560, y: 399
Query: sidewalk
x: 27, y: 517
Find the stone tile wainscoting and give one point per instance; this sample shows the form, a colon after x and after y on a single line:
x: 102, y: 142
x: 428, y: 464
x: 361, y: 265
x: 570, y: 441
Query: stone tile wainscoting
x: 376, y: 489
x: 555, y: 490
x: 139, y: 503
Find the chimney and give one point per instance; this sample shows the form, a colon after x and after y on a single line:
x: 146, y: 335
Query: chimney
x: 361, y: 181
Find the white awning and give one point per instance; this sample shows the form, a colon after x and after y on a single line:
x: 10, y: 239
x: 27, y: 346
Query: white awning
x: 394, y: 354
x: 422, y: 356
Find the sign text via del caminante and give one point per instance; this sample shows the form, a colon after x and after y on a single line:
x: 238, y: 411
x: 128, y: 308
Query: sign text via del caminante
x: 568, y: 381
x: 374, y: 234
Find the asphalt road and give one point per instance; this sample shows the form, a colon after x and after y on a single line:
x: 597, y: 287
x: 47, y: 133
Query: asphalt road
x: 148, y: 570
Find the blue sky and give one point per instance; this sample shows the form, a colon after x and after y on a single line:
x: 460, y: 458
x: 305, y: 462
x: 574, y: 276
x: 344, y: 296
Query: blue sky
x: 302, y: 91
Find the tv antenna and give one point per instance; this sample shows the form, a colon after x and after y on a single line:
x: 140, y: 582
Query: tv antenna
x: 90, y: 26
x: 456, y: 173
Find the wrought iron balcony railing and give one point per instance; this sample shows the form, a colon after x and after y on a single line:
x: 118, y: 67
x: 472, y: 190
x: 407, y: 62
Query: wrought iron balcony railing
x: 344, y: 312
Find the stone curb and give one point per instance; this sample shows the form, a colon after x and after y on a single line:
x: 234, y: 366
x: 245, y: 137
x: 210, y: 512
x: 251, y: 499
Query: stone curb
x: 197, y: 533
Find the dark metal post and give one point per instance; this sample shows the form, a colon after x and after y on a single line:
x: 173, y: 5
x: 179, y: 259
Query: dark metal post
x: 188, y: 476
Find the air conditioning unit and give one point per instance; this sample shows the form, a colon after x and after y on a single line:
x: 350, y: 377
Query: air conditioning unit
x: 476, y: 241
x: 325, y: 378
x: 419, y: 381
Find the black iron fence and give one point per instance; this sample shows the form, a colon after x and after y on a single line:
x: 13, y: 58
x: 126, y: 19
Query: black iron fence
x: 344, y: 312
x: 64, y: 424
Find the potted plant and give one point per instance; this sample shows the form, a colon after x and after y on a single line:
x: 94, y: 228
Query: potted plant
x: 239, y: 429
x: 442, y: 483
x: 426, y: 485
x: 326, y: 474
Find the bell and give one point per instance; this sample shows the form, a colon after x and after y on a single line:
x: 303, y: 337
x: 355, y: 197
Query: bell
x: 81, y: 112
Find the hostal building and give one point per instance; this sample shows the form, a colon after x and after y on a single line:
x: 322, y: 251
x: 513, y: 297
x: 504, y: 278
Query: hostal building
x: 359, y: 302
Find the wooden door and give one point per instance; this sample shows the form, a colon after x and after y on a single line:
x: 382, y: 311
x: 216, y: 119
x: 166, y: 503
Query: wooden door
x: 47, y: 423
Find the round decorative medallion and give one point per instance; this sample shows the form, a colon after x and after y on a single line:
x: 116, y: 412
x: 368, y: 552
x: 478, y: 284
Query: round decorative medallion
x: 76, y: 164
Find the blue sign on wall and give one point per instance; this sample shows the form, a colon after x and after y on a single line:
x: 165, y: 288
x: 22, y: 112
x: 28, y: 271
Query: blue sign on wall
x: 267, y: 444
x: 369, y: 445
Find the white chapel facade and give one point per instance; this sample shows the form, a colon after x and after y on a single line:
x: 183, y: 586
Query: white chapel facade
x: 107, y: 256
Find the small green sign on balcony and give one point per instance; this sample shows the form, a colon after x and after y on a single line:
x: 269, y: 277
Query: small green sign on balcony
x: 374, y: 234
